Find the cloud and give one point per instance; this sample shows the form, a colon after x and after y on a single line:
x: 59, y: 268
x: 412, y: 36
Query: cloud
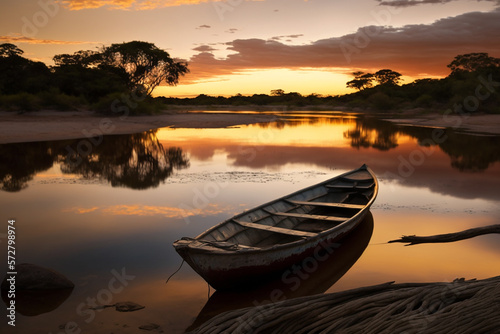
x: 288, y: 37
x: 19, y: 39
x: 204, y: 26
x: 130, y: 4
x: 204, y: 48
x: 232, y: 30
x: 150, y: 210
x: 411, y: 3
x: 89, y: 4
x: 81, y: 210
x: 413, y: 50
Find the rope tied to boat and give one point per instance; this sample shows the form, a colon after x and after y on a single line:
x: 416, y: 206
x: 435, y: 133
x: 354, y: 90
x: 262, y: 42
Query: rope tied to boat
x: 168, y: 279
x: 217, y: 244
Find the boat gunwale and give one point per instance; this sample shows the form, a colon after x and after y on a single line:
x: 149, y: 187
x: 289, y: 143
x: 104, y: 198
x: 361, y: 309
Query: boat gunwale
x: 320, y: 235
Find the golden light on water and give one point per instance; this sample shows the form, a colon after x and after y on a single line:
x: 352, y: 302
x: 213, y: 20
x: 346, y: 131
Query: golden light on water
x: 84, y: 216
x: 317, y: 132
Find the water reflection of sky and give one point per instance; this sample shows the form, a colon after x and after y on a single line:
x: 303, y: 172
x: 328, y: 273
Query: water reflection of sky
x: 76, y: 223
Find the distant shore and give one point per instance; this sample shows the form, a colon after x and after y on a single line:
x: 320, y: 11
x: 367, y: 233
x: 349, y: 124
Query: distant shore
x: 57, y: 125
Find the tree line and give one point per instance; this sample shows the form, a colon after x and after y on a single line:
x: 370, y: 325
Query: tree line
x: 471, y: 74
x: 95, y: 79
x: 86, y: 78
x: 472, y: 86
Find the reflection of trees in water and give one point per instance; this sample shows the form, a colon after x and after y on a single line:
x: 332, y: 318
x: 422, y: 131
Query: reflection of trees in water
x: 136, y: 161
x: 365, y: 136
x: 471, y: 153
x: 468, y: 153
x: 20, y: 162
x: 296, y: 121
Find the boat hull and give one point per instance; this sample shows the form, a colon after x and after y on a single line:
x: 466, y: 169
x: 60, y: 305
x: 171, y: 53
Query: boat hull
x: 234, y: 265
x: 245, y: 269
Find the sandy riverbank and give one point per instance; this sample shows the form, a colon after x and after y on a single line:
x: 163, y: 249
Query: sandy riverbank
x: 52, y: 125
x: 487, y: 123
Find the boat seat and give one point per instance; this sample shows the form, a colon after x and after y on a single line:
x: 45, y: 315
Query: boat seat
x: 308, y: 216
x: 275, y: 229
x: 346, y: 186
x: 326, y: 204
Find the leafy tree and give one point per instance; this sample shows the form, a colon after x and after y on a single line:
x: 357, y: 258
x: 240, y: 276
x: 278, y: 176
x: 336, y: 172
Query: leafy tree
x: 80, y: 58
x: 361, y: 81
x: 387, y: 77
x: 91, y: 83
x: 277, y: 92
x: 81, y: 74
x: 9, y: 50
x: 18, y: 74
x: 473, y: 62
x: 147, y: 65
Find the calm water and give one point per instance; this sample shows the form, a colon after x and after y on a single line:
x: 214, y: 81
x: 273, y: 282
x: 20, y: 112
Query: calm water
x: 116, y: 211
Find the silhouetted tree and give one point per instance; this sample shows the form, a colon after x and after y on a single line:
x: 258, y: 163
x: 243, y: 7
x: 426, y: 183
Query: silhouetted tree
x: 9, y: 50
x: 277, y: 92
x: 146, y: 64
x: 361, y: 80
x: 387, y: 77
x: 473, y: 62
x: 21, y: 75
x: 83, y: 58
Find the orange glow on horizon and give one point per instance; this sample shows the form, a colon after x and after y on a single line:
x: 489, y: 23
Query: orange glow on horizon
x: 261, y: 81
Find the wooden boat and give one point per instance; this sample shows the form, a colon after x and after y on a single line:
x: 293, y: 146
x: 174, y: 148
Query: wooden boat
x: 266, y: 240
x: 323, y: 278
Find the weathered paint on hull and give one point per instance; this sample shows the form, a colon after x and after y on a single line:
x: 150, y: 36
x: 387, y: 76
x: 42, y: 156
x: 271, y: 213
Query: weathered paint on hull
x: 225, y: 271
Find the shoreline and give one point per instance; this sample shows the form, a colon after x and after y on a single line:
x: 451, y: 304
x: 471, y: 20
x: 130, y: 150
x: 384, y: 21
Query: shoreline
x: 58, y: 125
x: 55, y: 125
x: 488, y: 124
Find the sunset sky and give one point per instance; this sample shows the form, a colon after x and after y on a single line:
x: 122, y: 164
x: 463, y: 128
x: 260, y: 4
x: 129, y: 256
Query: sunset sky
x: 247, y: 47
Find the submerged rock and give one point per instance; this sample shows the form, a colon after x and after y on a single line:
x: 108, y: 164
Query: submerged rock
x: 37, y: 289
x: 149, y: 327
x: 35, y: 302
x: 33, y: 277
x: 128, y: 306
x: 101, y: 307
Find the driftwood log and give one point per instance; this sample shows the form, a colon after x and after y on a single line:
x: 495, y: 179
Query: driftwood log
x: 450, y: 237
x: 458, y: 307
